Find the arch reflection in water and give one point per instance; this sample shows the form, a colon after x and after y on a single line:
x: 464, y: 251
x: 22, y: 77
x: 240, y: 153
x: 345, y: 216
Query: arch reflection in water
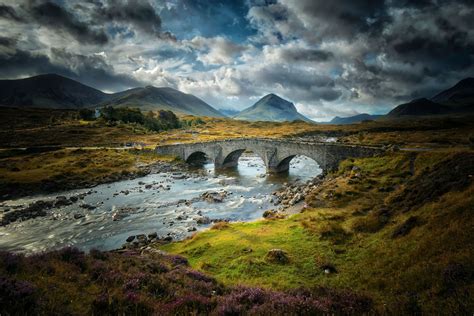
x: 250, y: 165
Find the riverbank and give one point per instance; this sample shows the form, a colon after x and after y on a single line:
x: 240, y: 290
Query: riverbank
x: 67, y: 169
x: 396, y: 228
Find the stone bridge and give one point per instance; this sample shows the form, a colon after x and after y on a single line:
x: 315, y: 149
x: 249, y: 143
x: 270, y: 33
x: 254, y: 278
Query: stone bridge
x: 276, y: 153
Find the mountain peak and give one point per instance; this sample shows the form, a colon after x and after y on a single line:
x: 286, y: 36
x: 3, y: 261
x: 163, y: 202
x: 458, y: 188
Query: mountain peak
x: 271, y: 108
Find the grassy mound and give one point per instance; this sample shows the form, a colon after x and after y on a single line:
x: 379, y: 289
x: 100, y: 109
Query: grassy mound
x: 375, y: 226
x: 69, y: 282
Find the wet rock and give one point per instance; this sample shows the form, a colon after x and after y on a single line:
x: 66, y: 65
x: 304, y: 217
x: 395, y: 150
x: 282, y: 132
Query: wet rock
x: 153, y: 235
x: 192, y: 229
x: 130, y: 238
x: 277, y: 256
x: 148, y: 186
x: 168, y: 239
x: 141, y: 183
x: 87, y: 206
x: 204, y: 220
x: 269, y: 214
x: 33, y: 210
x: 62, y: 201
x: 117, y: 216
x: 141, y: 237
x: 74, y: 199
x: 78, y: 215
x: 214, y: 197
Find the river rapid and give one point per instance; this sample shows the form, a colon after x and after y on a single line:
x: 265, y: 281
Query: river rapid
x: 168, y: 203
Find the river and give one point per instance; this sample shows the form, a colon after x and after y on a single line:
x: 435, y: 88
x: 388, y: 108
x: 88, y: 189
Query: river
x: 154, y: 203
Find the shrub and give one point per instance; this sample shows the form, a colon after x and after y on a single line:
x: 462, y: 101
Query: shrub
x: 87, y: 114
x: 16, y: 297
x: 11, y: 262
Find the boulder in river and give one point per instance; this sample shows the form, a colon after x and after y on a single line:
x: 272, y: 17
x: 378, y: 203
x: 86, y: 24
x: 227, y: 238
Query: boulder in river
x: 203, y: 220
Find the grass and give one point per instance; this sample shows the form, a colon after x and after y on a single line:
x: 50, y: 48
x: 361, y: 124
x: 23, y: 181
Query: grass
x: 407, y: 273
x: 42, y: 127
x: 69, y: 168
x: 70, y: 282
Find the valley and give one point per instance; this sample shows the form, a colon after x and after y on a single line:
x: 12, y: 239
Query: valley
x: 107, y: 192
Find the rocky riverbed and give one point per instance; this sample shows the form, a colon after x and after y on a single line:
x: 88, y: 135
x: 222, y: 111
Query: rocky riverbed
x: 169, y: 203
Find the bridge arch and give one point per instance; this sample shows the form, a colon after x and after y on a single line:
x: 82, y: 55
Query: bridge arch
x: 197, y: 158
x: 230, y: 158
x: 284, y: 164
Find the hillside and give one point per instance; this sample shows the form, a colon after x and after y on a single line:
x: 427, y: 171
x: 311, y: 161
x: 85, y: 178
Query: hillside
x: 459, y: 96
x: 455, y: 100
x: 153, y: 98
x: 271, y: 108
x: 49, y: 91
x: 57, y: 92
x: 418, y: 107
x: 353, y: 119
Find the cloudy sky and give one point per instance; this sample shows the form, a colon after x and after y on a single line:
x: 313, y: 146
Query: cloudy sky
x: 338, y: 57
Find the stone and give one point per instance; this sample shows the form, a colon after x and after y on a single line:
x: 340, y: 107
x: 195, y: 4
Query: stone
x: 141, y: 237
x: 153, y: 235
x: 87, y: 206
x: 204, y: 220
x: 130, y: 238
x: 277, y: 256
x: 78, y: 215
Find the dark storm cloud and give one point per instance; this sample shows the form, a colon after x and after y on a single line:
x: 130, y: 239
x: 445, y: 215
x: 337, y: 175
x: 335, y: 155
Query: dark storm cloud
x: 137, y: 13
x: 9, y: 13
x: 304, y: 85
x: 92, y: 70
x: 55, y: 16
x: 310, y: 55
x: 21, y: 63
x: 7, y: 42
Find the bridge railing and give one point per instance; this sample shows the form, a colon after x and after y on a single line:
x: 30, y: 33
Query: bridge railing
x: 267, y: 139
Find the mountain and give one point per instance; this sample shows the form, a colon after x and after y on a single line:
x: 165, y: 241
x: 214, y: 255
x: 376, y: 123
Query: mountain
x: 229, y: 112
x: 461, y: 95
x: 271, y: 108
x: 153, y: 98
x: 48, y: 91
x: 55, y: 91
x: 419, y: 107
x: 455, y: 100
x: 353, y: 119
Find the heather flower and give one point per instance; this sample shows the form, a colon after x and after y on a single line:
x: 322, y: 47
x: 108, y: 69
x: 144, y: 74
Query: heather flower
x: 10, y: 261
x: 16, y: 297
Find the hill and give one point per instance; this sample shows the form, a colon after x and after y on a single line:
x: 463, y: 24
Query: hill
x: 271, y: 108
x: 153, y: 98
x: 49, y: 91
x: 460, y: 96
x: 353, y: 119
x: 457, y: 99
x: 419, y: 107
x: 58, y: 92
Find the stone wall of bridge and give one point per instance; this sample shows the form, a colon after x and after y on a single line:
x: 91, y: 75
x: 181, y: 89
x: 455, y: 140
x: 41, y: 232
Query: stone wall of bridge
x: 276, y: 154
